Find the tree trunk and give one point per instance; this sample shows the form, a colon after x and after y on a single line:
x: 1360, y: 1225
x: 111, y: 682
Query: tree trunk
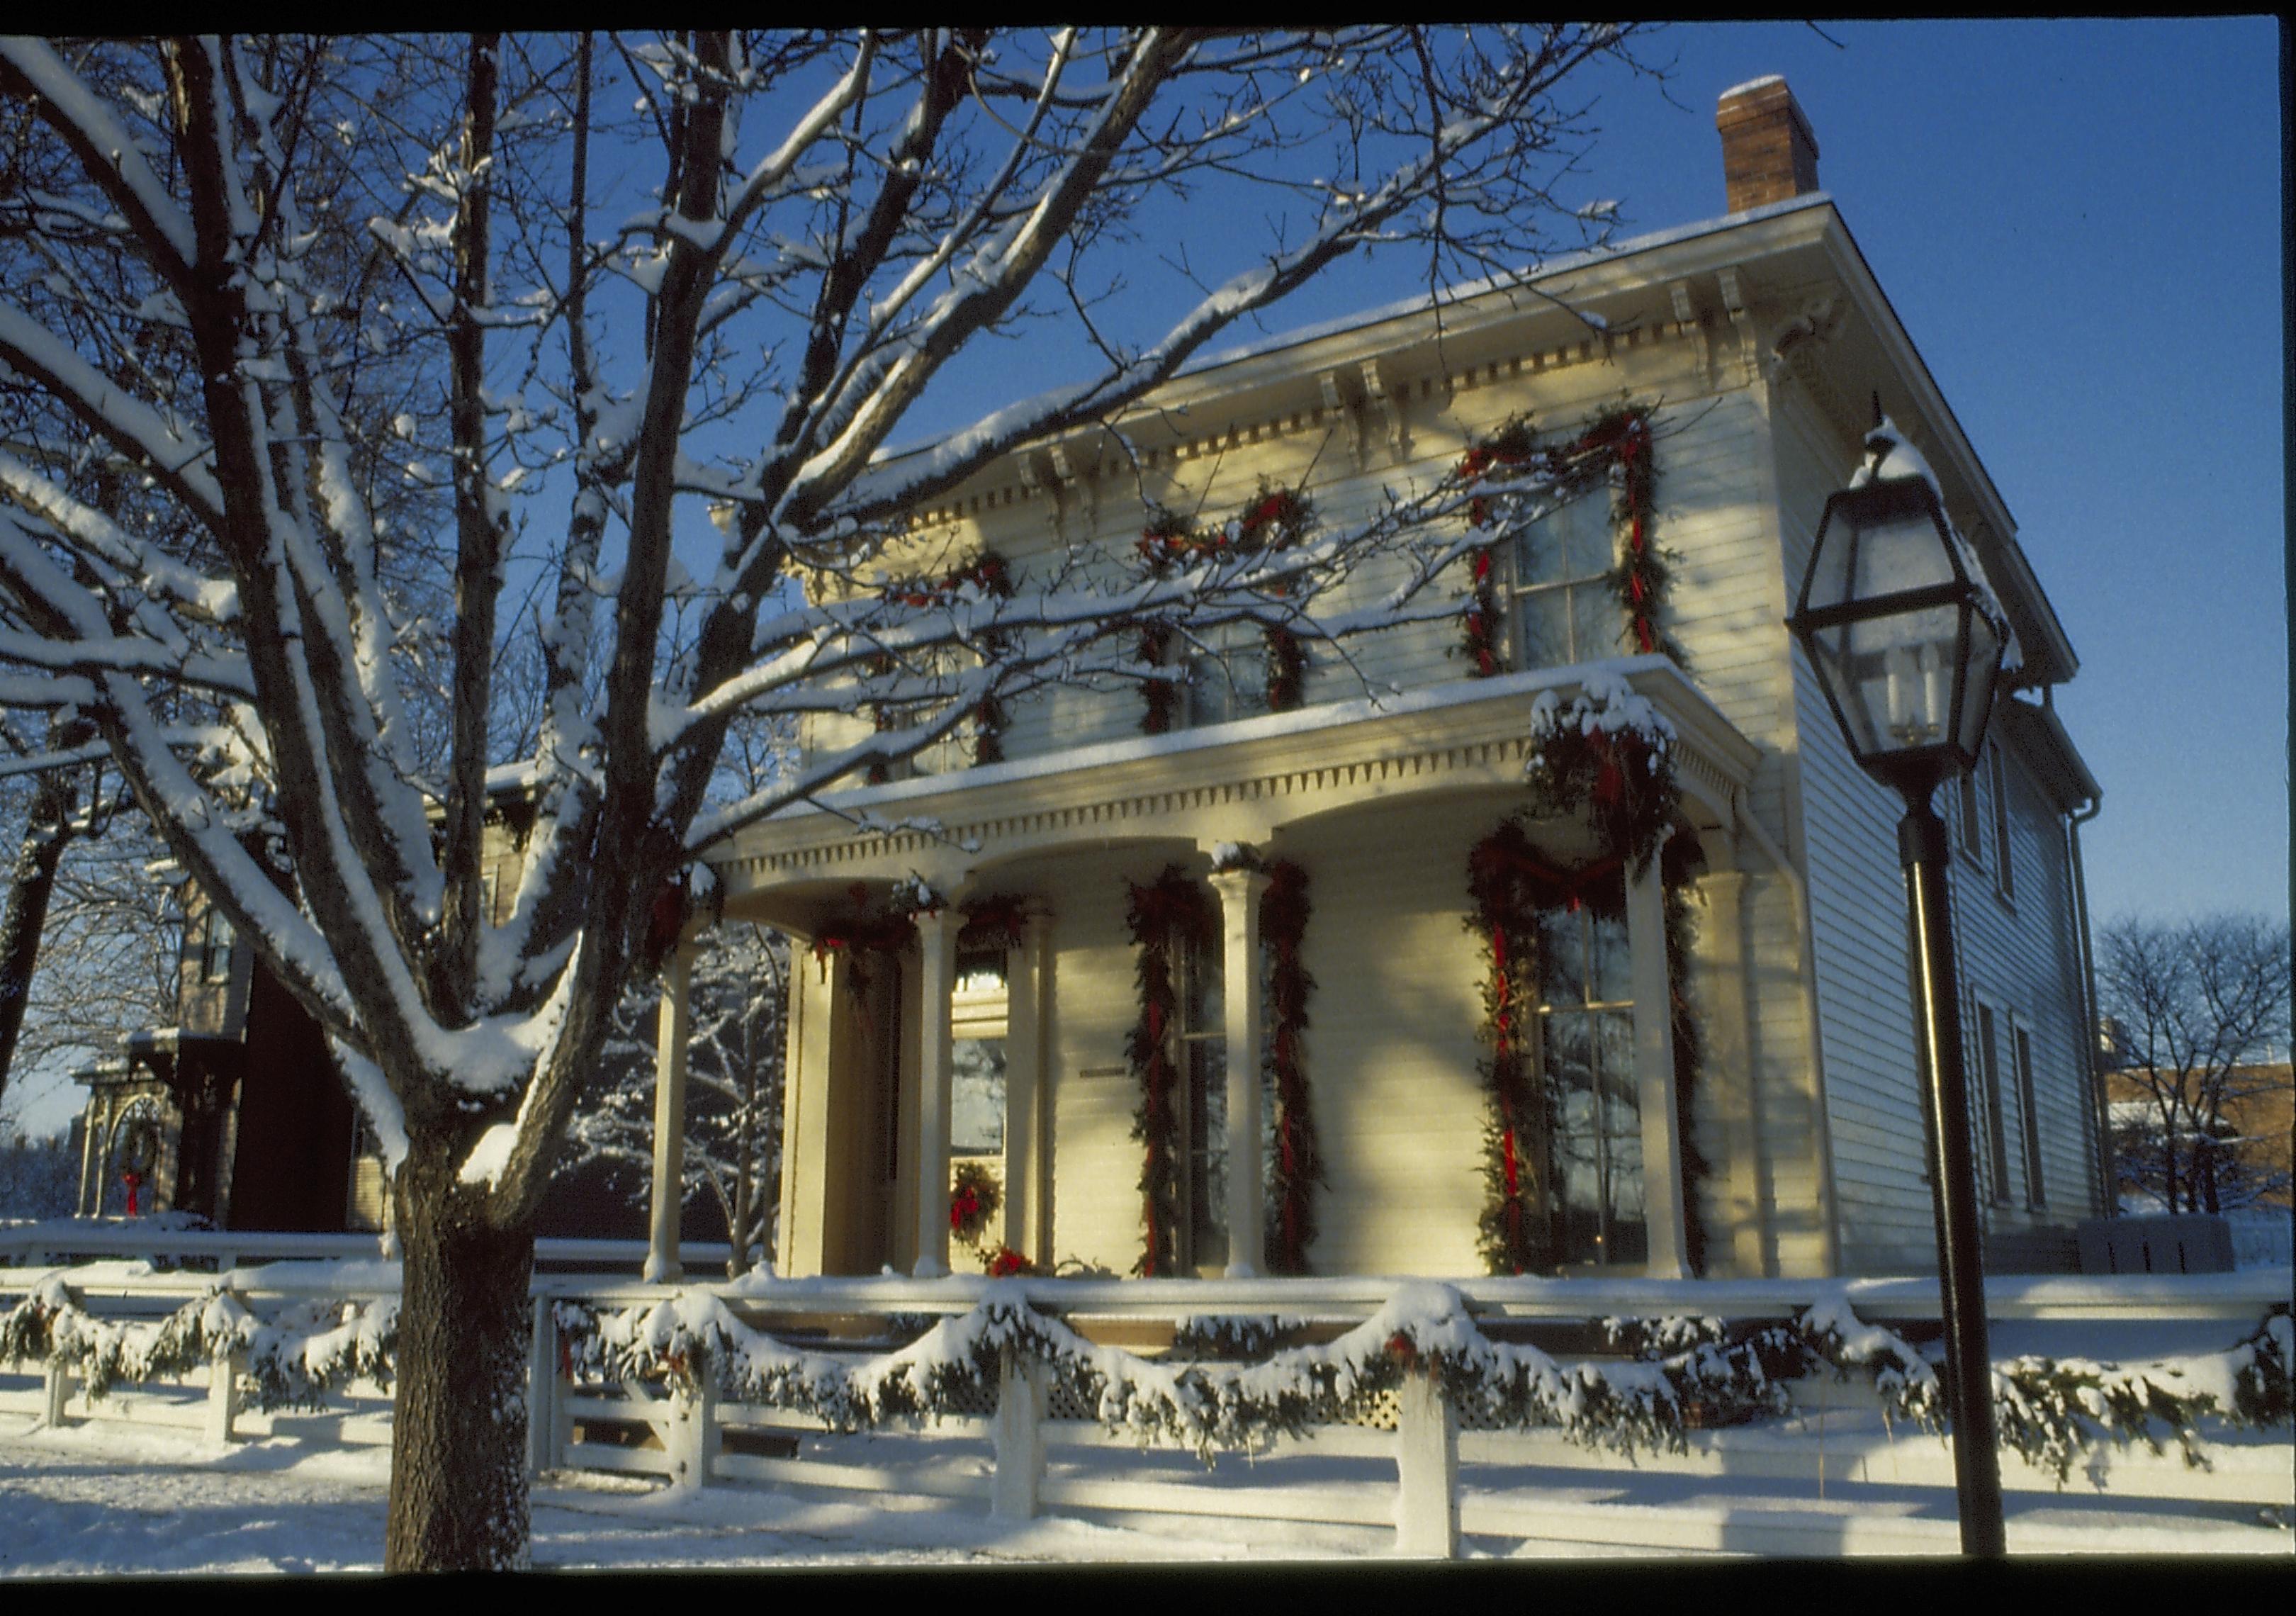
x: 47, y: 832
x: 458, y: 1482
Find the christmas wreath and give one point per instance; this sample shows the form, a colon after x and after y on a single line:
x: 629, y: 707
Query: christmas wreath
x: 1609, y: 751
x: 975, y: 1196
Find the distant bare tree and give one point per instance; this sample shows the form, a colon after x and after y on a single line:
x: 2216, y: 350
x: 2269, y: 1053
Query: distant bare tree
x: 2200, y: 1005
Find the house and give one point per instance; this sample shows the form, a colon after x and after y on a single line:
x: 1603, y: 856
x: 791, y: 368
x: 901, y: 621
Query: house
x: 235, y: 1113
x: 1490, y: 1040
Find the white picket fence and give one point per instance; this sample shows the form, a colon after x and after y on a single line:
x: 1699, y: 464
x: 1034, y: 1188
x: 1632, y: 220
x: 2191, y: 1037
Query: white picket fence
x: 1829, y: 1481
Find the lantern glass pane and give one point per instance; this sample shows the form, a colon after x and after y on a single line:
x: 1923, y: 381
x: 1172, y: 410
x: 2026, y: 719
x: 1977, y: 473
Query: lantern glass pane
x: 1893, y: 677
x: 1901, y: 551
x: 1984, y: 659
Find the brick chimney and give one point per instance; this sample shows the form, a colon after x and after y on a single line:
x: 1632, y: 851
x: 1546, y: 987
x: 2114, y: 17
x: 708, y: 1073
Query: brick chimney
x: 1768, y: 154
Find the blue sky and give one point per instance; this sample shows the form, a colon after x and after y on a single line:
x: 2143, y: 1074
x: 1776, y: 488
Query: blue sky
x: 2078, y: 222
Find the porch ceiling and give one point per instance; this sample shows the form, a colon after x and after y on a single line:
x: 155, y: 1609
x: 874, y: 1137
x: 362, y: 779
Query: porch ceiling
x: 1240, y: 782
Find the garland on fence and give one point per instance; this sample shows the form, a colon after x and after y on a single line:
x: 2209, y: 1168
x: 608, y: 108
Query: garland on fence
x: 295, y: 1361
x: 1683, y: 1375
x: 1614, y: 448
x: 1275, y: 520
x: 1298, y: 1168
x: 1165, y: 917
x: 1509, y: 883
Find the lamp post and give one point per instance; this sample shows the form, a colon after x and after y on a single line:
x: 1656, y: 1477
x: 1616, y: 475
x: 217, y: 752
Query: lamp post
x: 1907, y: 641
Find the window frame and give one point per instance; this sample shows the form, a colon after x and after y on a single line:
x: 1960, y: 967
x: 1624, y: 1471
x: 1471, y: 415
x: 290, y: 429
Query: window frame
x: 1200, y: 1054
x: 1513, y: 590
x: 216, y: 936
x: 2029, y: 1121
x: 1992, y: 1119
x: 1996, y: 770
x: 1593, y: 1011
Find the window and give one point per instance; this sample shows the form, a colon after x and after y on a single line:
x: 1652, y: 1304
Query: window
x: 1996, y: 1136
x: 1997, y: 777
x: 1560, y: 609
x: 1227, y: 678
x: 215, y: 946
x: 977, y: 1012
x: 1966, y: 822
x: 1204, y: 1067
x: 1586, y: 1048
x: 2028, y: 1116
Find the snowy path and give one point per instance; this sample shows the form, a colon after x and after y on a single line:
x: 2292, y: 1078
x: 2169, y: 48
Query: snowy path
x: 108, y: 1500
x: 104, y: 1500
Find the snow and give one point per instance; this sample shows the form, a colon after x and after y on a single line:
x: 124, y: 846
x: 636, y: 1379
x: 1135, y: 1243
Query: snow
x: 105, y: 1499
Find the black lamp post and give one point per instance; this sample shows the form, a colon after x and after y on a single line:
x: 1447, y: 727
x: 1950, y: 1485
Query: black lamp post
x: 1907, y: 641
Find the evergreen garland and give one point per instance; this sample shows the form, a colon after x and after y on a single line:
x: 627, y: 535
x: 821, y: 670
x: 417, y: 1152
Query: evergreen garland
x: 1298, y: 1167
x: 1512, y: 1235
x: 1276, y: 520
x: 1508, y: 881
x: 1165, y: 917
x: 1610, y: 753
x: 987, y: 573
x: 1615, y: 447
x: 1685, y: 1373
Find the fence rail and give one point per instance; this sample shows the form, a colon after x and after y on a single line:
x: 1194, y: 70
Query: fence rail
x: 1411, y: 1463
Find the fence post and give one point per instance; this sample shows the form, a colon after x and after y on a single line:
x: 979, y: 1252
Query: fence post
x: 692, y: 1434
x: 546, y: 1393
x: 1427, y: 1469
x: 1019, y: 1433
x: 223, y: 1367
x: 55, y: 1391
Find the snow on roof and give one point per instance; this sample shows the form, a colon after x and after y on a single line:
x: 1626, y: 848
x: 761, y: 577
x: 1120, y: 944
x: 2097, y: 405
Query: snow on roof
x: 1444, y: 297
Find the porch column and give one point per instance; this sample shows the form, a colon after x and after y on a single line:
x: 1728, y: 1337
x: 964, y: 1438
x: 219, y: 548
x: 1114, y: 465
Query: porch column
x: 936, y: 978
x: 672, y: 1033
x: 1654, y: 1074
x: 1727, y: 1064
x: 1024, y: 1086
x: 1239, y: 895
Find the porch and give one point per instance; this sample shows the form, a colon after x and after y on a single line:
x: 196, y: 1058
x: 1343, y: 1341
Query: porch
x: 1378, y: 805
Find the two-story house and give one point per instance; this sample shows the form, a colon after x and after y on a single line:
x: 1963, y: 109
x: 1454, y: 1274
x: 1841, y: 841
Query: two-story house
x: 1312, y: 913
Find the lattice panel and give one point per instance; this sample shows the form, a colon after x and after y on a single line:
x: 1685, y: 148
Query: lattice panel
x: 1378, y: 1413
x: 1065, y: 1402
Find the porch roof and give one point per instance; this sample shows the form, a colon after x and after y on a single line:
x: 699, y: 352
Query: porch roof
x: 1236, y: 781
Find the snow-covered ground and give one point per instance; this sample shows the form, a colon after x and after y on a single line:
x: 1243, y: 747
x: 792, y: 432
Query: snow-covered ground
x: 105, y: 1499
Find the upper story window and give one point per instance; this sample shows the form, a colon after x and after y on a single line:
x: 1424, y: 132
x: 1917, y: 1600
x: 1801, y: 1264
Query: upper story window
x: 1997, y: 777
x: 1560, y: 605
x: 215, y: 946
x: 1226, y: 678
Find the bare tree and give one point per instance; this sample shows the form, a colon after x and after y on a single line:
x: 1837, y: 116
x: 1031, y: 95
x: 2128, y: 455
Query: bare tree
x: 739, y: 994
x: 2199, y: 1006
x: 215, y: 580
